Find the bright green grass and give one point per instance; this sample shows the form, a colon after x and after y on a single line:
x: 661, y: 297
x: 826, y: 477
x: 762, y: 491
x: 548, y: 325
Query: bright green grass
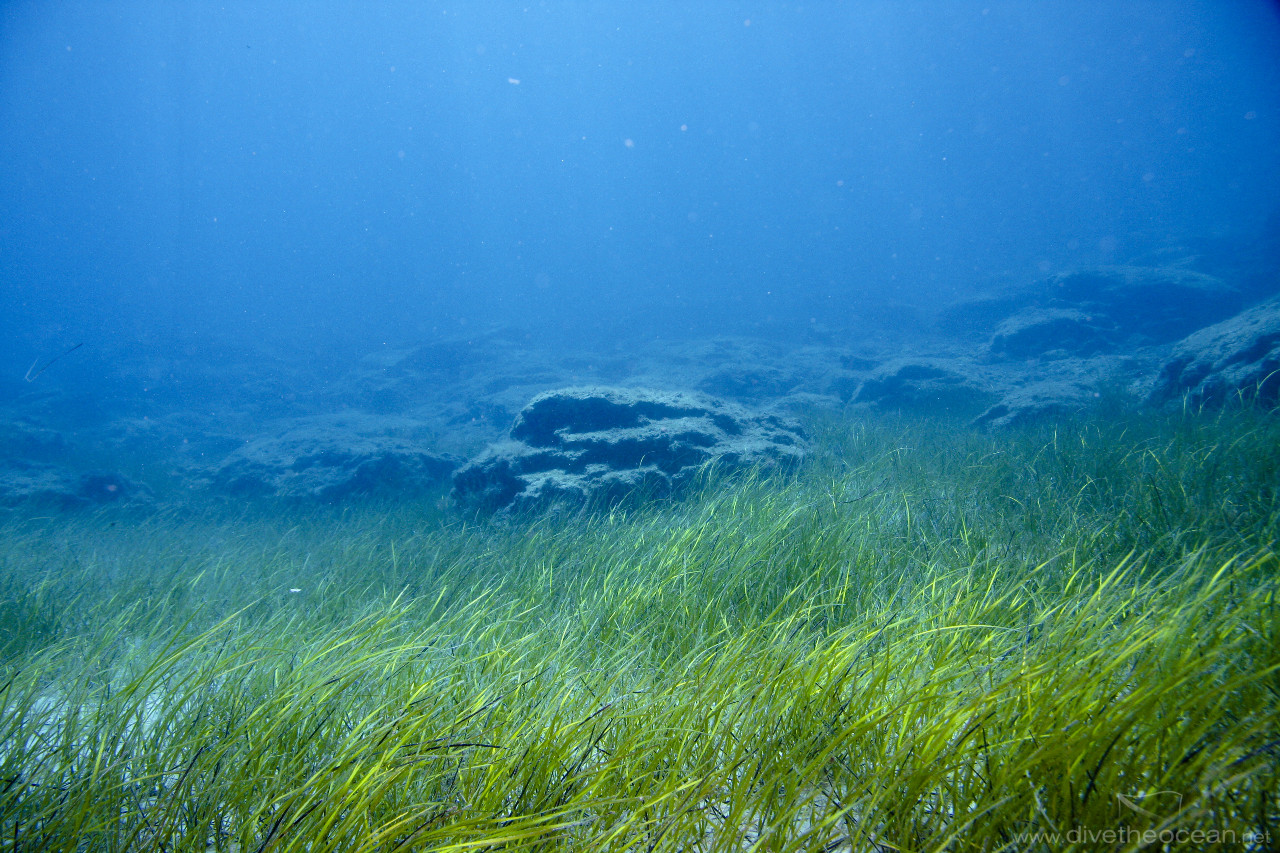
x: 926, y: 639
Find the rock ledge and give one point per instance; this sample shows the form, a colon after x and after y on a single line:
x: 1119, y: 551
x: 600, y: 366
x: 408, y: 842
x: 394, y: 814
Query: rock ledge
x: 574, y: 444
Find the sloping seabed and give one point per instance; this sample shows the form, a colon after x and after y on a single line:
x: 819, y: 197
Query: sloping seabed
x: 925, y: 639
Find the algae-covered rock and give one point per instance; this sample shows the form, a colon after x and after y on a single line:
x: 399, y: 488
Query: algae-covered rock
x: 1038, y: 401
x: 1156, y: 304
x: 1237, y: 357
x: 24, y: 482
x: 579, y: 443
x: 328, y: 457
x: 935, y: 385
x: 1035, y: 332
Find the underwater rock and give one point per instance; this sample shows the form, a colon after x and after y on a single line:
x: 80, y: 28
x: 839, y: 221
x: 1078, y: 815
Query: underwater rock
x: 1037, y: 401
x: 747, y: 381
x: 328, y: 457
x: 1155, y: 304
x: 936, y: 385
x: 1237, y: 357
x: 1036, y: 332
x: 755, y: 372
x: 977, y: 316
x: 578, y: 443
x: 41, y: 483
x: 22, y: 440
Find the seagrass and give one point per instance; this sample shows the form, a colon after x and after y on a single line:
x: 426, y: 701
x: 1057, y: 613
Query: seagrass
x: 926, y: 638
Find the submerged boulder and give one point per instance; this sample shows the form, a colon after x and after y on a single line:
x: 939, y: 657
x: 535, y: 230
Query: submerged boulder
x: 742, y: 381
x: 1038, y: 401
x: 39, y: 483
x: 1035, y: 332
x: 579, y: 443
x: 1239, y: 357
x: 22, y: 440
x: 1152, y: 304
x: 333, y: 456
x: 936, y: 385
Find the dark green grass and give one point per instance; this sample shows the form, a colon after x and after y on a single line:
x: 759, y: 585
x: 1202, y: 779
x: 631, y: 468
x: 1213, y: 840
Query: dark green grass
x: 925, y: 639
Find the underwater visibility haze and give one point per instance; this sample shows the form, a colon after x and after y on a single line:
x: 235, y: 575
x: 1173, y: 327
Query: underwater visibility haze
x: 325, y: 172
x: 715, y: 426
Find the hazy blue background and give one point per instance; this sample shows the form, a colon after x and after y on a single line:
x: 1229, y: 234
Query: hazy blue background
x: 324, y: 177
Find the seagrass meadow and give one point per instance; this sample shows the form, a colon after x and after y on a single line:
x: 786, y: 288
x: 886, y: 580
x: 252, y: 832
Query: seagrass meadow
x: 925, y: 638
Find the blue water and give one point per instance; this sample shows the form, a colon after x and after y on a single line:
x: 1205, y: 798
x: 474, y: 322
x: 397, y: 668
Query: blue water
x: 323, y: 178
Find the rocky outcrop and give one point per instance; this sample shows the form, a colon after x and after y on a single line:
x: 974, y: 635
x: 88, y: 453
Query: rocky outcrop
x: 936, y: 385
x: 1237, y: 358
x: 329, y: 457
x: 1037, y: 401
x: 1149, y: 305
x: 748, y: 382
x: 51, y: 485
x: 1039, y: 332
x: 20, y: 440
x: 976, y: 316
x: 575, y: 444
